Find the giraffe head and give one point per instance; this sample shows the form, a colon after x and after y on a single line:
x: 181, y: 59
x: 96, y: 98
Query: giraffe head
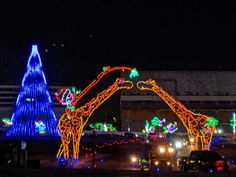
x: 146, y: 85
x: 124, y: 84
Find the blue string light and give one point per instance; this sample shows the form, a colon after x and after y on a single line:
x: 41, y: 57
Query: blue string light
x: 33, y: 102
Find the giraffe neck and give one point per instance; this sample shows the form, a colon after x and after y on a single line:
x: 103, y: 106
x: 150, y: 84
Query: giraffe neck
x: 175, y: 105
x: 97, y: 80
x: 91, y: 106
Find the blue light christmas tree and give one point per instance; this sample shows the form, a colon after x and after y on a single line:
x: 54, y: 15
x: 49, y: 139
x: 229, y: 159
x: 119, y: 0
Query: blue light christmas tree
x: 34, y: 114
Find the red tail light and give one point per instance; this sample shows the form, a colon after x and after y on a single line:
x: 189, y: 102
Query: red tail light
x: 220, y: 168
x: 220, y: 163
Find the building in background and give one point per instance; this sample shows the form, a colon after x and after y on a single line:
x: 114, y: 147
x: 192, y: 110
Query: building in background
x: 206, y: 92
x: 211, y: 93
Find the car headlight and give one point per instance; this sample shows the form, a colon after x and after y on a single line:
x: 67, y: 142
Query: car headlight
x: 156, y: 163
x: 170, y: 150
x: 162, y: 150
x: 133, y: 159
x: 178, y: 144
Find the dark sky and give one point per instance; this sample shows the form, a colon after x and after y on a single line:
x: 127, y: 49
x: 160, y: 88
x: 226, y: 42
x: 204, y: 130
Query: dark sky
x: 77, y: 38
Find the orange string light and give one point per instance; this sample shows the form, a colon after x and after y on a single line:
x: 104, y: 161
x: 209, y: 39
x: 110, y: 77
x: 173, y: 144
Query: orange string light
x: 107, y: 70
x: 72, y: 123
x: 69, y: 115
x: 199, y: 134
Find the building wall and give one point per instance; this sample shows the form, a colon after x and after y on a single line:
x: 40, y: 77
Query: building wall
x: 210, y: 93
x: 135, y: 118
x: 8, y: 96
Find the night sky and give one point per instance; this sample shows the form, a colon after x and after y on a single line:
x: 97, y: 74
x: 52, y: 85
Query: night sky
x: 77, y: 38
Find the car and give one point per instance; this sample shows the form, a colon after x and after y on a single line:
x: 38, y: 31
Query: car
x: 141, y: 160
x: 129, y: 135
x: 156, y: 137
x: 181, y: 163
x: 208, y: 161
x: 144, y: 160
x: 158, y: 164
x: 163, y: 155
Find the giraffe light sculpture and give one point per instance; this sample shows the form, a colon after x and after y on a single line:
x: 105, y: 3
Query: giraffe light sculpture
x: 74, y: 119
x: 200, y: 127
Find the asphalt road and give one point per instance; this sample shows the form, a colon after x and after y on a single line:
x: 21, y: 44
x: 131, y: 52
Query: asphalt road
x: 112, y: 162
x: 117, y: 159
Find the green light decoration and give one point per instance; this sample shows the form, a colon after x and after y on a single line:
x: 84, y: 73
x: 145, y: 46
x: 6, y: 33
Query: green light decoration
x: 170, y: 128
x: 155, y: 121
x: 103, y: 127
x: 78, y: 92
x: 133, y: 73
x: 165, y: 129
x: 211, y: 122
x: 143, y: 161
x: 148, y: 127
x: 233, y: 123
x: 73, y: 89
x: 111, y: 128
x: 6, y: 122
x: 72, y: 108
x: 104, y: 68
x: 98, y: 126
x: 92, y: 126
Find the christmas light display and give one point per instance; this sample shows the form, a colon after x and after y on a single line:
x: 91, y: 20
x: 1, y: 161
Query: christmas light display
x: 105, y: 71
x: 156, y: 122
x: 40, y: 126
x: 170, y: 128
x: 72, y: 123
x: 6, y: 122
x: 133, y: 73
x: 148, y: 127
x: 103, y: 127
x: 200, y: 127
x: 233, y: 123
x: 33, y: 102
x: 211, y: 122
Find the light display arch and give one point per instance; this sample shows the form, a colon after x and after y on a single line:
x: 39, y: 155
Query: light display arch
x: 199, y: 127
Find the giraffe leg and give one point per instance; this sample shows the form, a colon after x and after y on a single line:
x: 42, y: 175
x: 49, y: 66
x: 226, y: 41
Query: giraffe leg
x: 193, y: 139
x: 212, y: 130
x: 207, y: 137
x: 76, y: 142
x: 195, y: 143
x: 60, y: 151
x: 64, y: 127
x: 64, y: 148
x: 202, y: 142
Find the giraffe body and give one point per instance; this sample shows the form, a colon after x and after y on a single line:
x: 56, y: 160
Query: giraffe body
x: 194, y: 122
x: 72, y: 122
